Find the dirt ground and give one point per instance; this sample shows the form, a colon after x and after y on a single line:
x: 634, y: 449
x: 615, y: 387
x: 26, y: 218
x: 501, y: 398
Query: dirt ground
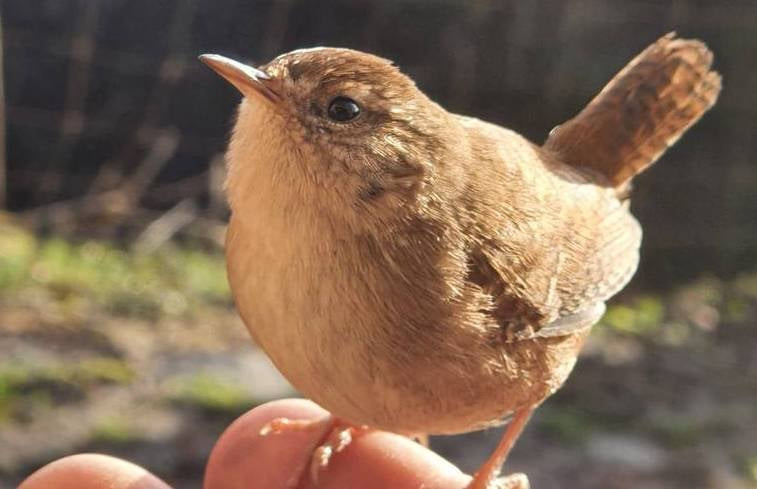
x: 664, y: 396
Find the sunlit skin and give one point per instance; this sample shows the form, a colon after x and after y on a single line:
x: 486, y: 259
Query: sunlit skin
x: 242, y: 458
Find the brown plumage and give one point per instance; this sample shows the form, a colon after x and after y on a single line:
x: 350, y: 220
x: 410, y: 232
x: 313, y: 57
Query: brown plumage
x: 642, y: 111
x: 425, y: 272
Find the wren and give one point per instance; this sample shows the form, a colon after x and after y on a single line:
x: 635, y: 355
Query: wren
x: 424, y: 272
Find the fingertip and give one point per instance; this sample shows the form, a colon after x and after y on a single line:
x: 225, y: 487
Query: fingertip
x: 379, y: 459
x: 92, y: 471
x: 243, y: 457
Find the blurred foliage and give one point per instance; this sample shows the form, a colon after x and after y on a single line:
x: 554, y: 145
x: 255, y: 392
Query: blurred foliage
x: 170, y: 280
x: 570, y: 425
x: 115, y: 429
x: 678, y: 431
x: 641, y: 317
x: 750, y: 468
x: 25, y: 386
x: 210, y: 393
x: 701, y: 305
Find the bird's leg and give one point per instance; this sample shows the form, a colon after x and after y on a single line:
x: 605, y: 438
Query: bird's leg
x: 336, y: 436
x: 484, y: 478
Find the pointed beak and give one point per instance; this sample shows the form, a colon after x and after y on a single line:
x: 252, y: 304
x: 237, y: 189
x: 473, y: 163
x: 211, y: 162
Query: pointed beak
x: 248, y: 80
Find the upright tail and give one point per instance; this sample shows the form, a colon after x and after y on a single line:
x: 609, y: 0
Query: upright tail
x: 642, y: 111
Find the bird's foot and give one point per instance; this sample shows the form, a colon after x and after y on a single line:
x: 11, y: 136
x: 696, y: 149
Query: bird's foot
x: 512, y: 481
x: 336, y: 435
x: 517, y: 480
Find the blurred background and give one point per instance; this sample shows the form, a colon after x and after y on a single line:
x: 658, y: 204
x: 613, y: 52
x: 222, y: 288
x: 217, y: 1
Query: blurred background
x: 117, y: 331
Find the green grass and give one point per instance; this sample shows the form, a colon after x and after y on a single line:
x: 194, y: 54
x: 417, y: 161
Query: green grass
x: 101, y: 370
x: 641, y: 317
x: 574, y: 423
x: 674, y: 317
x: 25, y: 386
x: 678, y: 431
x: 746, y: 285
x: 17, y: 248
x: 211, y: 394
x: 572, y: 426
x: 116, y: 430
x: 750, y: 468
x: 169, y: 281
x: 81, y: 373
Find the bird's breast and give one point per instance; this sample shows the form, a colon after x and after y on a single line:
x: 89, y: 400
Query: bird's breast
x: 375, y: 347
x: 303, y: 306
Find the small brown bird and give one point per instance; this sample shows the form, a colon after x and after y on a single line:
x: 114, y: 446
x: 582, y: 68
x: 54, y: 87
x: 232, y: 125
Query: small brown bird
x: 424, y: 272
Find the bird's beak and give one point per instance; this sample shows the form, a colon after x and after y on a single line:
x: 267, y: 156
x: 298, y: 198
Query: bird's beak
x: 246, y: 79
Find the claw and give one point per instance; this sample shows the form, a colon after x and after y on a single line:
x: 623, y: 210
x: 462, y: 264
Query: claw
x: 512, y: 481
x: 282, y: 425
x: 336, y: 437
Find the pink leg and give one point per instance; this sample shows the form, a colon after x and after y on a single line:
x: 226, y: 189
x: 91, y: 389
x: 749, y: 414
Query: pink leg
x: 485, y: 475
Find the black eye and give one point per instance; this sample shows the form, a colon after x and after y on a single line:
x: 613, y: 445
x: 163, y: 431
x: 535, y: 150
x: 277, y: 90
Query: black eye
x: 343, y: 109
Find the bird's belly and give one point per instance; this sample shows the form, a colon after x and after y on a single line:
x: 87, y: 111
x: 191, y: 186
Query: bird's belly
x: 454, y: 397
x: 303, y: 311
x: 325, y: 338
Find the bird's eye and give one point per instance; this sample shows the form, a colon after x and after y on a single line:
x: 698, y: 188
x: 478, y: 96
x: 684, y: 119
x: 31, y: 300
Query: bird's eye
x: 343, y: 109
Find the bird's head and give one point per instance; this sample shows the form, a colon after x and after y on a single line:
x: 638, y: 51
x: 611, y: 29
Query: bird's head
x: 345, y: 122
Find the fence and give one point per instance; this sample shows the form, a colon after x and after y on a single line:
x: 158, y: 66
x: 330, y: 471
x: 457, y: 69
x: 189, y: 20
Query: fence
x: 112, y: 124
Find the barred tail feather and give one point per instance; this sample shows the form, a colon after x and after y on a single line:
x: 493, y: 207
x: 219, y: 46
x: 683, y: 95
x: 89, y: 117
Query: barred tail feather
x: 644, y: 109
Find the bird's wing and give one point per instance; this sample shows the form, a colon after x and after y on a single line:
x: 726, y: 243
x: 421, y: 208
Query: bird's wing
x: 556, y: 282
x: 567, y: 324
x: 550, y: 245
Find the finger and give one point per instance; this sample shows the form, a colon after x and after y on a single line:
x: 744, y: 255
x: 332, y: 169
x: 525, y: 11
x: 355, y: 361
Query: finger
x: 92, y: 471
x: 244, y: 458
x: 379, y: 460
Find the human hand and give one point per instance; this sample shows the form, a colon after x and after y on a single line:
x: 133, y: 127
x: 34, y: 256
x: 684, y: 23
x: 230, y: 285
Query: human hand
x: 243, y: 458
